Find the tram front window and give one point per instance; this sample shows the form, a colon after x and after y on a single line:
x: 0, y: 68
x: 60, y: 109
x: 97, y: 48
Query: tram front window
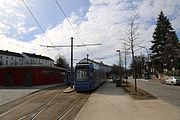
x: 81, y: 75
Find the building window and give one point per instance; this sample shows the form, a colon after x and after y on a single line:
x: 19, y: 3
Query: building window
x: 11, y: 58
x: 0, y: 56
x: 6, y: 57
x: 6, y: 62
x: 1, y: 63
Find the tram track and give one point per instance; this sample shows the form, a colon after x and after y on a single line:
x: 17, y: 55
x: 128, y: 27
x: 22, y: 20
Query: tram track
x: 61, y: 107
x: 20, y: 101
x: 57, y: 109
x: 51, y: 105
x: 72, y: 107
x: 39, y: 101
x: 35, y: 113
x: 41, y: 108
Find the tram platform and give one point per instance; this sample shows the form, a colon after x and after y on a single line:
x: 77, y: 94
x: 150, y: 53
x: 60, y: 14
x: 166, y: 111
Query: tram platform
x: 68, y: 90
x: 112, y: 103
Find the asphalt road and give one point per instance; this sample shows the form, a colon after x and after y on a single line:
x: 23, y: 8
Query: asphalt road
x: 165, y: 92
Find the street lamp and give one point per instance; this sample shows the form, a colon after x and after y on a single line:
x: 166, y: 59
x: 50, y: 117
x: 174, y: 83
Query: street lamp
x: 119, y: 57
x: 119, y: 60
x: 172, y: 67
x: 147, y: 59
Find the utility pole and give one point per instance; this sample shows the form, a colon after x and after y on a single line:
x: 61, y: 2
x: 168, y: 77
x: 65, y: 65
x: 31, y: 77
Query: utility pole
x: 71, y: 73
x: 119, y: 57
x: 125, y: 53
x: 147, y: 62
x: 87, y: 57
x: 119, y: 61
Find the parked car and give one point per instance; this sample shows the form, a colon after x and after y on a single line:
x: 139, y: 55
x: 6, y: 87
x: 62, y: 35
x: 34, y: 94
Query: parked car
x: 173, y: 80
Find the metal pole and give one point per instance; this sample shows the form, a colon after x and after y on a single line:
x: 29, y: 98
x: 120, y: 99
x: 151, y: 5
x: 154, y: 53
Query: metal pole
x: 147, y: 67
x: 119, y: 57
x: 120, y: 64
x: 87, y: 57
x: 125, y: 63
x: 119, y: 60
x: 172, y: 67
x: 71, y: 74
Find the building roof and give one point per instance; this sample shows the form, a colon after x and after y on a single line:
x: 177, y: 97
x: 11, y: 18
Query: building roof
x: 32, y: 66
x: 38, y: 56
x: 2, y: 52
x: 85, y: 60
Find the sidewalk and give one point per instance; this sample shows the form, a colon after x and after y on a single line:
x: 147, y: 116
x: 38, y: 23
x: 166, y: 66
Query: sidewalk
x: 112, y: 103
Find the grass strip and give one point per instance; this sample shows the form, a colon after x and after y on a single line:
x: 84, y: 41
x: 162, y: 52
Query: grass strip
x: 139, y: 95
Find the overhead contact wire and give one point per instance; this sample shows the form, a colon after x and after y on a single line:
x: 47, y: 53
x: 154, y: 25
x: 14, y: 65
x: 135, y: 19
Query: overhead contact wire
x: 70, y: 24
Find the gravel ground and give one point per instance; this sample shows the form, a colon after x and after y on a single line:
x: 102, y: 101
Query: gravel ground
x: 8, y: 95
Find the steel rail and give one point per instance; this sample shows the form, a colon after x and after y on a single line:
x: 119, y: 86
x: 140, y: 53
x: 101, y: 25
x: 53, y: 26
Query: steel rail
x: 37, y: 111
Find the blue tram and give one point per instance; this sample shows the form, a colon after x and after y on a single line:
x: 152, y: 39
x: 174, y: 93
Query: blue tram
x: 88, y: 76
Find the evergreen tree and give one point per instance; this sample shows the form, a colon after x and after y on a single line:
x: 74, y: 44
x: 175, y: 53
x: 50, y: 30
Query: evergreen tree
x: 165, y: 45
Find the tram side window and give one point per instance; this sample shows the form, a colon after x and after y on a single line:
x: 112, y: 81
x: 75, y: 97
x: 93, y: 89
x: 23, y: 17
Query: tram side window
x: 97, y: 75
x: 81, y: 75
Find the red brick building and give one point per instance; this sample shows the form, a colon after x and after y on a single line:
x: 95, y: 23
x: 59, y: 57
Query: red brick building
x: 31, y: 75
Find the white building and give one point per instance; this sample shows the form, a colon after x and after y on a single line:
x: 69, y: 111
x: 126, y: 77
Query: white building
x: 33, y: 59
x: 8, y: 58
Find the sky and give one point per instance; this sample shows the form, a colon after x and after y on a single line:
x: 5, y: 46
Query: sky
x: 93, y: 21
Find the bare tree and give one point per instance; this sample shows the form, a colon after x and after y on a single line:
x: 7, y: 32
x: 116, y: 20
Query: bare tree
x: 132, y: 41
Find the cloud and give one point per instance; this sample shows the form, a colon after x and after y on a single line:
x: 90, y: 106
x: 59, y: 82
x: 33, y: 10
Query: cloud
x: 21, y: 29
x: 14, y: 18
x: 104, y: 22
x: 10, y: 14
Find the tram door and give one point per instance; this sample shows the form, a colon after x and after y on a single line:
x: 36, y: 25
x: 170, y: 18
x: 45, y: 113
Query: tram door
x: 28, y: 79
x: 8, y: 81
